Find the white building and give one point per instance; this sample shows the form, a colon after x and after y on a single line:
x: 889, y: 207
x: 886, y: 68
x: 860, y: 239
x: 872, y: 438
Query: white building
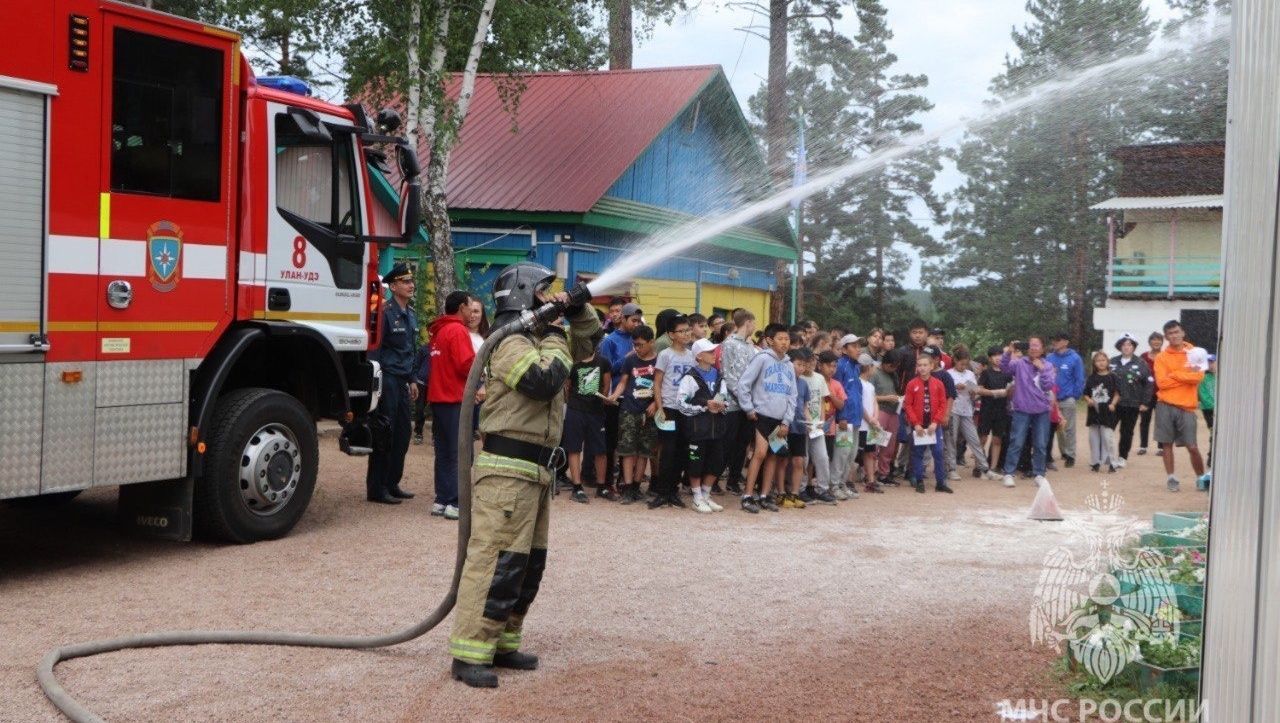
x: 1164, y: 243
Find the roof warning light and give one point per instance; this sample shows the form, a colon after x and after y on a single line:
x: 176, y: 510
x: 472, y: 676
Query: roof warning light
x: 287, y: 83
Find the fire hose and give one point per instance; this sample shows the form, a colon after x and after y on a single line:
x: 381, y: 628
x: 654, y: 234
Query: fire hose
x: 75, y: 711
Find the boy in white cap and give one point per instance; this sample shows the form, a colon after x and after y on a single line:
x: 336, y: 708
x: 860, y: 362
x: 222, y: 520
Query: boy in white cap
x: 701, y: 400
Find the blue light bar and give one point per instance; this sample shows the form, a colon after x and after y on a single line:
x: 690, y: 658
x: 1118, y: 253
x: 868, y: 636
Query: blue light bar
x: 287, y: 83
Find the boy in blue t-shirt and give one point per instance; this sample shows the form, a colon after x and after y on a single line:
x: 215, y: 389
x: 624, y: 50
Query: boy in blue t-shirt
x: 633, y: 393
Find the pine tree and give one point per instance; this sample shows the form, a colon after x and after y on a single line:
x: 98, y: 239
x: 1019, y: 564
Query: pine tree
x: 861, y: 232
x: 1020, y: 225
x: 1186, y: 96
x: 289, y: 34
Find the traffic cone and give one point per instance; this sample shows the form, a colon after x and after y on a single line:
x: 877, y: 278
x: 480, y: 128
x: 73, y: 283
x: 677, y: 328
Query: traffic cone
x: 1045, y: 506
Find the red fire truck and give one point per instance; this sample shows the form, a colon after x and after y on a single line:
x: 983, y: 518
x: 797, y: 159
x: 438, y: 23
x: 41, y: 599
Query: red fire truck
x: 187, y: 270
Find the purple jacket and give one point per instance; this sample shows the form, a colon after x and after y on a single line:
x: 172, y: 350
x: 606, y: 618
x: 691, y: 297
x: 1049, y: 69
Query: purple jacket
x: 1031, y: 388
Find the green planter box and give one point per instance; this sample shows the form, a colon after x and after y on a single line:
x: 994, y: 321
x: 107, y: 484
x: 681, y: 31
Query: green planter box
x: 1189, y: 590
x: 1149, y: 676
x: 1175, y: 521
x: 1166, y: 542
x: 1192, y: 605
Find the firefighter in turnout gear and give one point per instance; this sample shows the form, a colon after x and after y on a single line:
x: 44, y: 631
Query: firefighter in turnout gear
x: 396, y: 354
x: 521, y: 421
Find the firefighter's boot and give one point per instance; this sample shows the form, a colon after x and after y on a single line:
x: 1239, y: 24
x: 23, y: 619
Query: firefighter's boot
x: 516, y: 660
x: 474, y: 675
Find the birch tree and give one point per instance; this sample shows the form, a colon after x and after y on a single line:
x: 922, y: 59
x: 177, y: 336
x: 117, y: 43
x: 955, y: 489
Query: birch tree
x: 428, y: 53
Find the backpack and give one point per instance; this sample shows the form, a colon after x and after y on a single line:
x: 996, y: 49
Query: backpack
x: 706, y: 425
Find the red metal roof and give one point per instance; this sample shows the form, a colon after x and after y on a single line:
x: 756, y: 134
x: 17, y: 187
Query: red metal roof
x: 576, y: 133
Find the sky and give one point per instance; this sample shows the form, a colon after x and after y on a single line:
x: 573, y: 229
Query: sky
x: 960, y: 46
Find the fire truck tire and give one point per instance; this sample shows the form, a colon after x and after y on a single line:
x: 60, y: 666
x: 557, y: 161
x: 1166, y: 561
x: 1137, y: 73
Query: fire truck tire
x: 260, y: 469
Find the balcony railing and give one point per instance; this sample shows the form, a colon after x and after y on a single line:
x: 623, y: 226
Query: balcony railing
x: 1173, y: 277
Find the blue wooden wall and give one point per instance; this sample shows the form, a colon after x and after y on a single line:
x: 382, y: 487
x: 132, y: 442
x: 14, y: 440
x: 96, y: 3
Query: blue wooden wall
x: 610, y: 246
x: 690, y: 167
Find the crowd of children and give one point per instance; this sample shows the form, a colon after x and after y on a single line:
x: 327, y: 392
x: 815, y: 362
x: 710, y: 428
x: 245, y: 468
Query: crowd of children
x: 788, y: 416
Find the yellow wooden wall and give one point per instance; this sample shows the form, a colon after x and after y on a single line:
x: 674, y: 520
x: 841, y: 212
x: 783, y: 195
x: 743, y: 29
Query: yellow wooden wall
x: 654, y: 295
x: 731, y: 297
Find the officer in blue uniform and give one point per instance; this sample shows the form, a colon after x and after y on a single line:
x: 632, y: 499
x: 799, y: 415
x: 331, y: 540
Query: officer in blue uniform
x: 396, y: 354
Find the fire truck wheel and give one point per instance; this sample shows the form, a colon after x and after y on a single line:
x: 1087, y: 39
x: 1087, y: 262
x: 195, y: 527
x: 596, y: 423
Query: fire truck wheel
x: 260, y: 469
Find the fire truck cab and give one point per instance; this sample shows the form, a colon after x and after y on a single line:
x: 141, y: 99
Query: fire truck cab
x: 188, y: 271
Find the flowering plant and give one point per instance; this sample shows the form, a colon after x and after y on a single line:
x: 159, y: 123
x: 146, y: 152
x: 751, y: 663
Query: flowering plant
x: 1199, y: 531
x: 1171, y: 653
x: 1187, y: 567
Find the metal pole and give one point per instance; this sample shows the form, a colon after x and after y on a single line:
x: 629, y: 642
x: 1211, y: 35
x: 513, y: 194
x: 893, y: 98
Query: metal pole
x: 1111, y: 253
x: 795, y: 276
x: 1242, y: 612
x: 697, y: 294
x: 1173, y: 244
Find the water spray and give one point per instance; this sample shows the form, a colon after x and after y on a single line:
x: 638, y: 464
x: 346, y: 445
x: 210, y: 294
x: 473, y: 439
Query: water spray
x: 667, y: 244
x: 675, y: 240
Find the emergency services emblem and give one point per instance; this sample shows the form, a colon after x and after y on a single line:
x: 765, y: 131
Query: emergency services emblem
x: 164, y: 255
x: 1101, y: 603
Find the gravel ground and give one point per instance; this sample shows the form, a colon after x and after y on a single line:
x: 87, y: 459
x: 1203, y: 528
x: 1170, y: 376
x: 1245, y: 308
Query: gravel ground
x: 894, y: 607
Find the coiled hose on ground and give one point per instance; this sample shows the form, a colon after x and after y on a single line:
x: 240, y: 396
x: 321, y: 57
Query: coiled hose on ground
x: 77, y: 712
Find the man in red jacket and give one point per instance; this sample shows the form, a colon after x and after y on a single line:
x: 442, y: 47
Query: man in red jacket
x: 925, y: 406
x: 451, y: 357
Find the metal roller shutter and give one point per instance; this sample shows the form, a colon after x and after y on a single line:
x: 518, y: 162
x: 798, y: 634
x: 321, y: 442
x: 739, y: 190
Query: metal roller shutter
x: 22, y: 158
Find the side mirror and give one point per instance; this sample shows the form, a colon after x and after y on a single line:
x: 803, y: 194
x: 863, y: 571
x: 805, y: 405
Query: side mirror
x: 410, y: 209
x: 388, y: 121
x: 408, y: 160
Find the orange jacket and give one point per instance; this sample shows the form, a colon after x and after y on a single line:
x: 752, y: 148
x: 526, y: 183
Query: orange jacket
x: 1175, y: 383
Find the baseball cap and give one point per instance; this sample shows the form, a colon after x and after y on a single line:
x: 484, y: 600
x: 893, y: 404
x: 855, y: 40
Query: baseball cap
x: 702, y: 345
x: 849, y: 339
x: 932, y: 351
x: 937, y: 331
x: 866, y: 360
x: 631, y: 309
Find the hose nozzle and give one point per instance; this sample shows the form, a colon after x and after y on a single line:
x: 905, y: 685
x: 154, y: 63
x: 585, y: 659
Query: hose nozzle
x: 578, y: 296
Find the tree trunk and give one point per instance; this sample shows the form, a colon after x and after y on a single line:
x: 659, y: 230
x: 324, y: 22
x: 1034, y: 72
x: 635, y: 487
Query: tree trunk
x: 779, y: 298
x: 414, y: 104
x: 620, y: 34
x: 439, y: 230
x: 444, y: 137
x: 1080, y: 274
x: 877, y: 299
x: 284, y: 54
x: 877, y: 292
x: 775, y: 115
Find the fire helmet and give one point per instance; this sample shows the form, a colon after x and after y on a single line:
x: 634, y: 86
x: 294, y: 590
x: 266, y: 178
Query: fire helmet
x: 516, y: 286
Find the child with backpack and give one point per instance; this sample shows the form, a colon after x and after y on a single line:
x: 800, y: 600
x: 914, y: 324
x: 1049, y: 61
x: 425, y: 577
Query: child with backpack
x: 701, y: 401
